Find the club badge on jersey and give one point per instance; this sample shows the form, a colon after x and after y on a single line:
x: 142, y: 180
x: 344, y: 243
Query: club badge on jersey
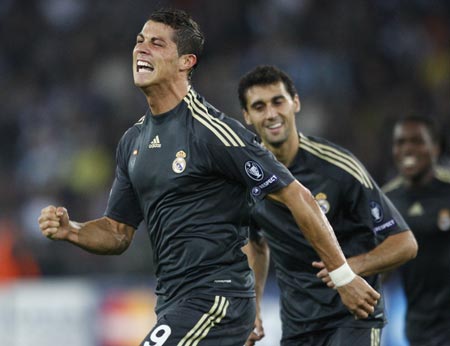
x: 321, y: 199
x: 179, y: 164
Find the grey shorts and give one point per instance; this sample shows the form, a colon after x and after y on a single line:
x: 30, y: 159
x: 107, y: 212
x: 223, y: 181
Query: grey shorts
x: 205, y: 321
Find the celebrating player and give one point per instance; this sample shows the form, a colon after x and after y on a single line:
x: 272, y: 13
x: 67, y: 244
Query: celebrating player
x: 185, y: 169
x: 371, y: 232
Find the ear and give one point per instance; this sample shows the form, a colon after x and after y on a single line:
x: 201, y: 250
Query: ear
x: 297, y: 103
x: 247, y: 119
x: 187, y: 61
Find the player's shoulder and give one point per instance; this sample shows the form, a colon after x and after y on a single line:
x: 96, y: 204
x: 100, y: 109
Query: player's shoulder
x: 335, y: 159
x: 212, y: 126
x: 393, y: 185
x: 443, y: 174
x: 130, y: 135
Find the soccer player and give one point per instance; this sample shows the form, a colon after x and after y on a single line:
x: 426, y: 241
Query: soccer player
x: 421, y: 193
x: 185, y: 169
x: 371, y: 232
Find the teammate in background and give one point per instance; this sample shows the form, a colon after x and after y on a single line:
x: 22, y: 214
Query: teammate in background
x: 185, y: 169
x: 371, y: 232
x: 421, y: 193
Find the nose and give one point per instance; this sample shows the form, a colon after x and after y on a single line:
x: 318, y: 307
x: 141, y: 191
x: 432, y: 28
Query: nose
x: 271, y: 112
x: 142, y: 48
x: 407, y: 147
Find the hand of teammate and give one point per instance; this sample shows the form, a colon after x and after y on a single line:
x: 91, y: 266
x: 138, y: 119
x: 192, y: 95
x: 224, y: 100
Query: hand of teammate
x: 358, y: 296
x: 257, y: 333
x: 323, y: 273
x: 54, y: 222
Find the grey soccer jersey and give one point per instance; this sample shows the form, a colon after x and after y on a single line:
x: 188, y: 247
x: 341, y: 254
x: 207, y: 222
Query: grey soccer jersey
x: 361, y: 217
x: 426, y: 279
x: 187, y: 173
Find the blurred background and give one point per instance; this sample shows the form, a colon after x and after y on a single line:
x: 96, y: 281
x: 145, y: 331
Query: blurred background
x: 67, y: 96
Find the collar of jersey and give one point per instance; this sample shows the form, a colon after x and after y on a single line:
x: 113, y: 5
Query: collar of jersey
x: 160, y: 118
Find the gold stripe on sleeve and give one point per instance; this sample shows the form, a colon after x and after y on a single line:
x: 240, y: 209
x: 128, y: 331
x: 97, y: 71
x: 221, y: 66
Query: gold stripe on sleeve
x: 218, y: 127
x: 338, y: 158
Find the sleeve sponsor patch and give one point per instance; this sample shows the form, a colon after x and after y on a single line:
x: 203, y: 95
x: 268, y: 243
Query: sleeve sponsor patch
x: 257, y: 189
x: 384, y: 226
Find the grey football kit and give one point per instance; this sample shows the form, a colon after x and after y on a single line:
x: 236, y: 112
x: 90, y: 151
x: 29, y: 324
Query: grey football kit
x: 187, y: 174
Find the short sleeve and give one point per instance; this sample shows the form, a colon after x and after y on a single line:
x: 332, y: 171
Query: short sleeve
x: 249, y: 163
x: 373, y: 207
x: 123, y: 205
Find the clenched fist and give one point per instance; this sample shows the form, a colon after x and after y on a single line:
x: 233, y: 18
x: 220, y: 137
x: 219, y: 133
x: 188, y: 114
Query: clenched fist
x: 54, y: 222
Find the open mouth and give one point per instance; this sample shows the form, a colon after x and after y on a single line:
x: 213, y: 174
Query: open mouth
x: 144, y: 66
x: 409, y: 161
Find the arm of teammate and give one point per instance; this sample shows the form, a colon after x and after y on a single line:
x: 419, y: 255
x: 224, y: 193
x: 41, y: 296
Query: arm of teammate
x: 395, y: 250
x: 357, y: 295
x: 258, y: 255
x: 103, y: 236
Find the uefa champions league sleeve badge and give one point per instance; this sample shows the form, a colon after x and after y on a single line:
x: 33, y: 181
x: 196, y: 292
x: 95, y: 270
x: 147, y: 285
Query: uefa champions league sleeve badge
x: 179, y: 164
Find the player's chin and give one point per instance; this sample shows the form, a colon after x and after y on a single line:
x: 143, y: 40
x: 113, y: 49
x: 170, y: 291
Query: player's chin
x: 141, y: 81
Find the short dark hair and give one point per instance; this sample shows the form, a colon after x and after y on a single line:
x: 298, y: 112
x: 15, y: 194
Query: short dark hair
x: 264, y: 75
x: 428, y: 122
x: 188, y: 36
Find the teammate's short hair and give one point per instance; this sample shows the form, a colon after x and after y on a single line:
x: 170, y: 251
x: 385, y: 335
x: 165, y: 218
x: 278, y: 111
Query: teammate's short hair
x: 264, y: 75
x: 432, y: 127
x: 188, y: 36
x: 428, y: 122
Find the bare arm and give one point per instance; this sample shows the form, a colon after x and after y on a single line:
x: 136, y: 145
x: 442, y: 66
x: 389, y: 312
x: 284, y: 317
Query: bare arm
x: 102, y: 236
x: 391, y: 253
x: 357, y: 295
x: 258, y: 258
x: 313, y: 223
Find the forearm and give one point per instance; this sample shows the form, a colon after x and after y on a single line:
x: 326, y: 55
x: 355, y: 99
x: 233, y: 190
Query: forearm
x: 258, y: 257
x: 102, y: 236
x: 313, y: 223
x: 391, y: 253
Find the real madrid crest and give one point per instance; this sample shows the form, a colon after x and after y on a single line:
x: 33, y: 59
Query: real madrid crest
x: 179, y: 164
x: 321, y: 199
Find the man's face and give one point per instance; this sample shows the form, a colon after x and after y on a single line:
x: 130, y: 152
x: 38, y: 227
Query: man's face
x: 271, y: 110
x: 155, y: 55
x: 414, y: 150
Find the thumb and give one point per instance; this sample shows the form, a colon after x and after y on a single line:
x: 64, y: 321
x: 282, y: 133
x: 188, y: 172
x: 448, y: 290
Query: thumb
x: 63, y: 215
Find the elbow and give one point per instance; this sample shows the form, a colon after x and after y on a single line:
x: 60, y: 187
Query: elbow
x: 122, y: 236
x: 414, y: 249
x: 411, y: 247
x: 123, y: 244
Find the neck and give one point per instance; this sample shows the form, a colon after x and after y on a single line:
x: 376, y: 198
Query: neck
x: 420, y: 180
x: 162, y: 98
x: 286, y: 152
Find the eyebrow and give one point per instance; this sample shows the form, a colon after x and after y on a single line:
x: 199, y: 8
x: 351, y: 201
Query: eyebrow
x: 274, y: 98
x: 257, y: 102
x: 277, y: 97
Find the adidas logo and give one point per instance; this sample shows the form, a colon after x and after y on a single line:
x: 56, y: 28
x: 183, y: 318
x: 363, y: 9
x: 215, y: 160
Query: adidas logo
x: 416, y: 210
x: 155, y: 143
